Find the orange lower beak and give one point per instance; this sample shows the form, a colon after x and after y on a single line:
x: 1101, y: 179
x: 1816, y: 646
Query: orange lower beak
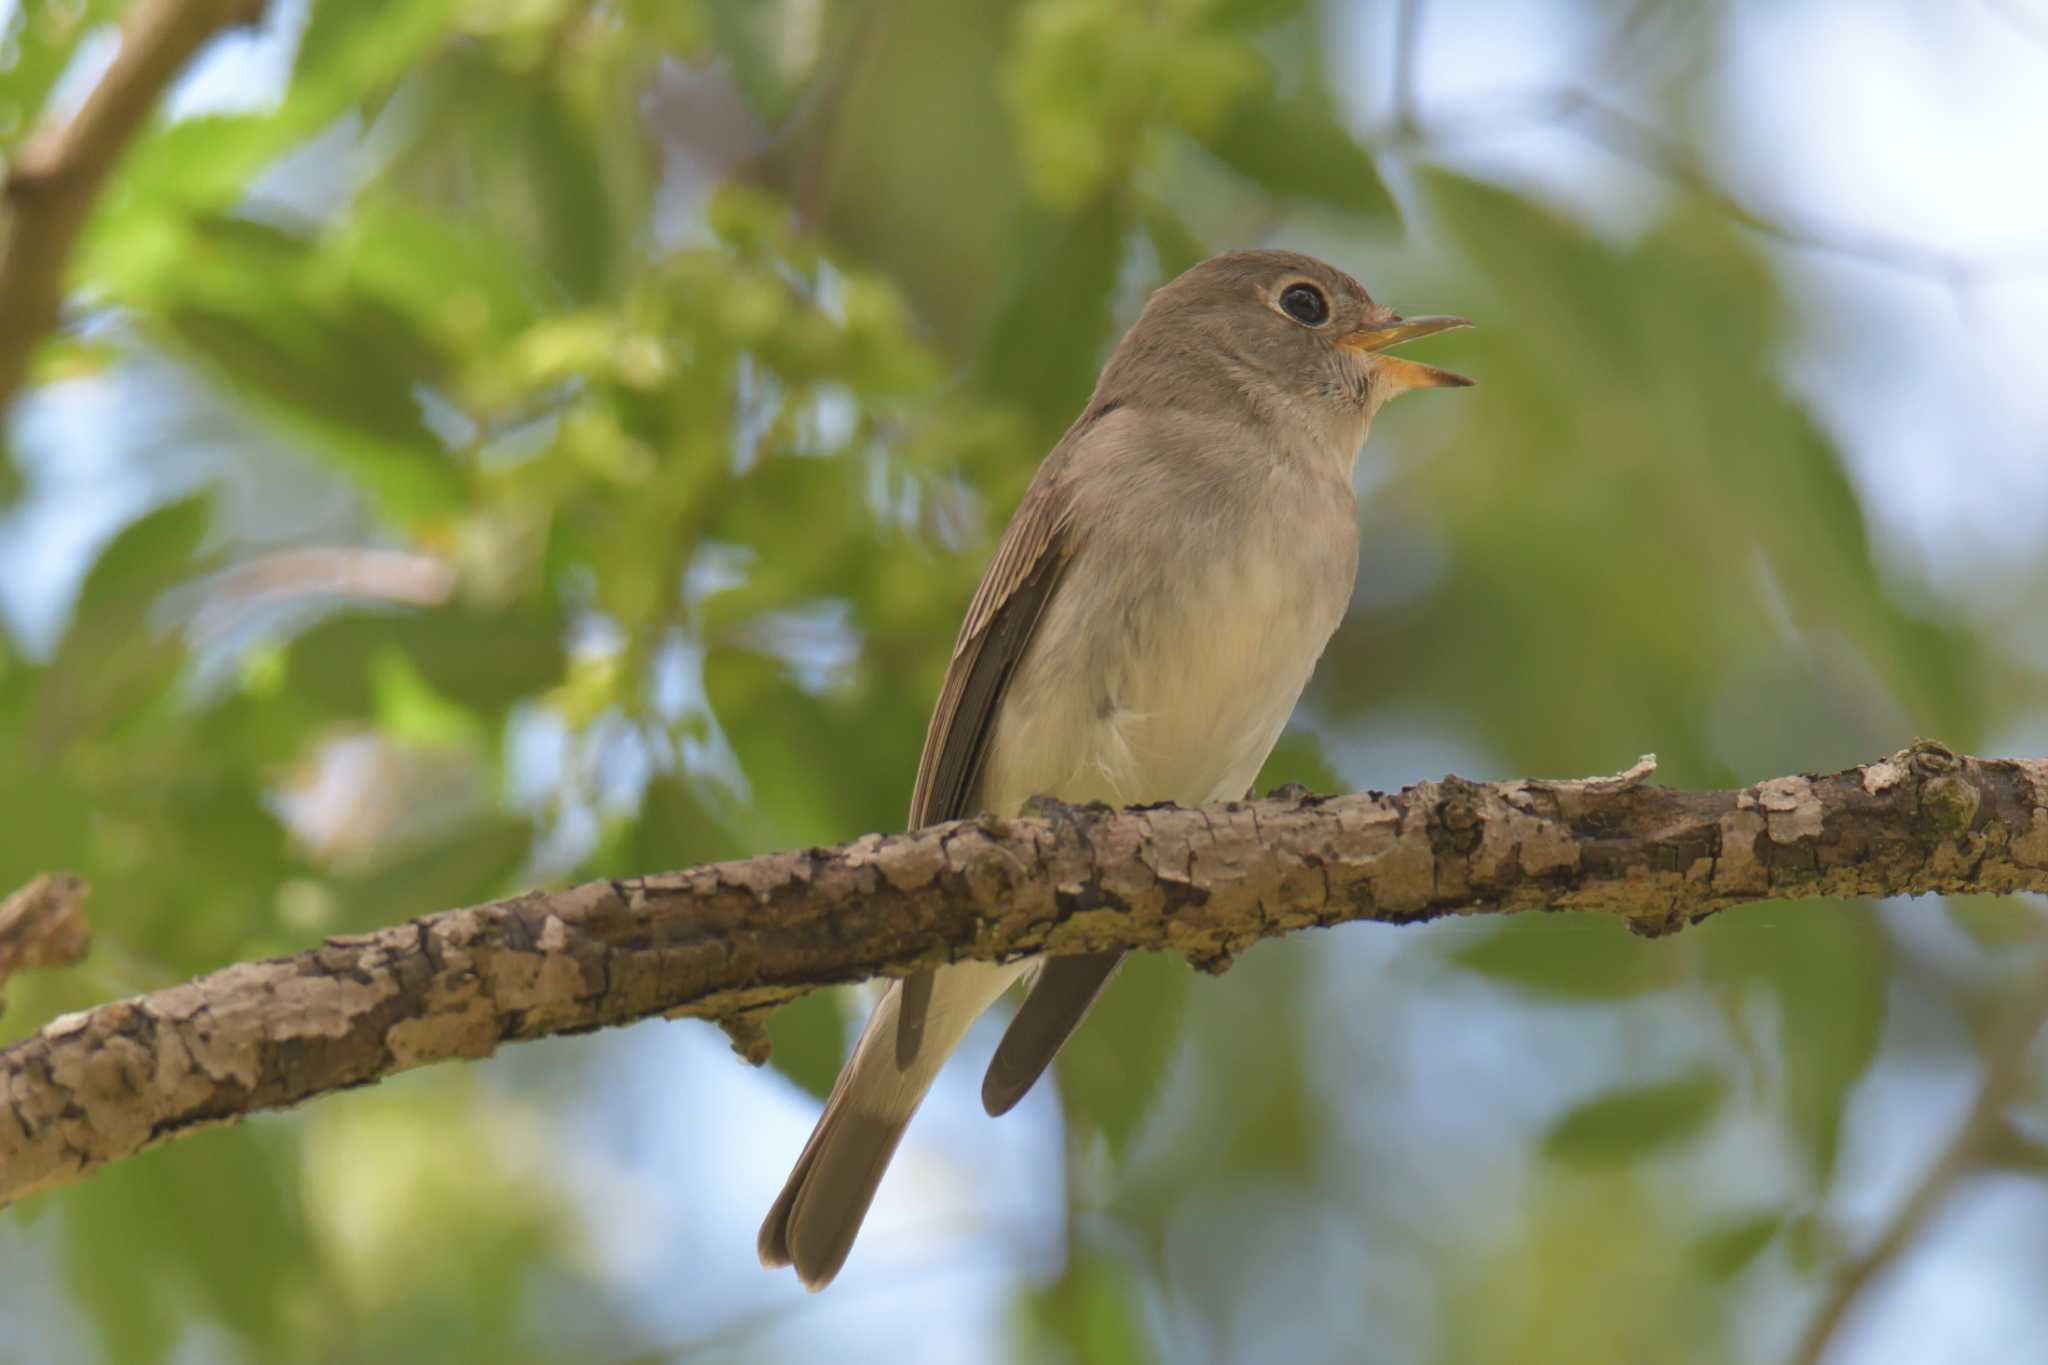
x: 1402, y: 375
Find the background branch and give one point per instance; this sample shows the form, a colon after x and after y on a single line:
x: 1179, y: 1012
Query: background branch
x: 1972, y: 1148
x: 43, y: 925
x: 49, y: 190
x: 729, y: 941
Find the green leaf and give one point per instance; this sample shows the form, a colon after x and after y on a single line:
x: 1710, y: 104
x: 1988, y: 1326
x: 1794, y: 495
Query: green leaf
x: 1297, y: 758
x: 1094, y: 1314
x: 473, y: 861
x: 351, y: 51
x: 1688, y: 518
x: 336, y: 367
x: 809, y: 1037
x: 460, y: 282
x: 354, y: 48
x: 574, y: 205
x: 1998, y: 924
x: 1298, y: 151
x: 138, y: 1268
x: 2012, y: 1148
x: 1255, y: 14
x: 339, y: 369
x: 1048, y: 343
x: 1112, y: 1069
x: 754, y: 39
x: 410, y: 711
x: 674, y: 829
x: 11, y: 481
x: 1726, y: 1249
x: 476, y: 658
x: 1173, y: 243
x: 1580, y: 958
x: 1813, y: 1244
x: 41, y: 37
x: 1625, y: 1125
x: 821, y: 495
x: 155, y: 551
x: 778, y: 729
x: 114, y: 659
x: 1827, y: 965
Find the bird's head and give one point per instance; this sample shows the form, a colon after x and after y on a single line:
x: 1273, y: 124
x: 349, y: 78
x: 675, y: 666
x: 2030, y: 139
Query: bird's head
x: 1287, y: 324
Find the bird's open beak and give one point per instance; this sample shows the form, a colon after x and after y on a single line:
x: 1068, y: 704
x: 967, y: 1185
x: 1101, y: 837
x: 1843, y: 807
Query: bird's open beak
x: 1405, y: 374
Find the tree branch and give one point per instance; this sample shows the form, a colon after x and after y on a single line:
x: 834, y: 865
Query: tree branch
x: 732, y: 940
x: 50, y: 188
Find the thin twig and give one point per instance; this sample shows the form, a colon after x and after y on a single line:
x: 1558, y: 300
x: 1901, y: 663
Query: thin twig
x: 1629, y: 137
x: 1621, y: 133
x: 1408, y: 16
x: 50, y: 189
x: 1648, y: 147
x: 829, y: 122
x: 1969, y: 1150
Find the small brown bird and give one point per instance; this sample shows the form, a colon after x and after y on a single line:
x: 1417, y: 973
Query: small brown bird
x: 1150, y: 617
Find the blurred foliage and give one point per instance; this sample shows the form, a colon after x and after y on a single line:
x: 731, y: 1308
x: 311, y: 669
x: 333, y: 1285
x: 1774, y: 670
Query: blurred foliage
x: 661, y: 373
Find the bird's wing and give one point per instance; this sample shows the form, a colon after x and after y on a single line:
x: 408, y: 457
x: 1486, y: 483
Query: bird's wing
x: 1014, y: 590
x: 813, y: 1222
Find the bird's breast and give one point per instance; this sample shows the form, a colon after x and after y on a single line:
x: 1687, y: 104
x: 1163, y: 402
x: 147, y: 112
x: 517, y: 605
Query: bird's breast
x: 1175, y: 648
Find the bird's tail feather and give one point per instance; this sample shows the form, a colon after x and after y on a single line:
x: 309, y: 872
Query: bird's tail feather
x: 814, y: 1220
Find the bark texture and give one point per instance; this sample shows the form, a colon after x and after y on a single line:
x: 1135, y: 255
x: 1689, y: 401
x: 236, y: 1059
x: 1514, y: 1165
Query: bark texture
x: 732, y: 940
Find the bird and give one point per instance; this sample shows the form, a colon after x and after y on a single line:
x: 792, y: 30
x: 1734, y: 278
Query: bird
x: 1141, y: 634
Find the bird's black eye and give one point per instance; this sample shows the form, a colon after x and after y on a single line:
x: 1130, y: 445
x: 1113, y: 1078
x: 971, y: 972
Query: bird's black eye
x: 1305, y: 304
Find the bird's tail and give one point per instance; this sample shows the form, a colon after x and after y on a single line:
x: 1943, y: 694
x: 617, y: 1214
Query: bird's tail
x: 814, y: 1220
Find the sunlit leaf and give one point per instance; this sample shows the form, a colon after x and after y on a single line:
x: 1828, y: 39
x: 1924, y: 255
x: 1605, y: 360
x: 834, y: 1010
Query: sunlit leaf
x: 354, y: 48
